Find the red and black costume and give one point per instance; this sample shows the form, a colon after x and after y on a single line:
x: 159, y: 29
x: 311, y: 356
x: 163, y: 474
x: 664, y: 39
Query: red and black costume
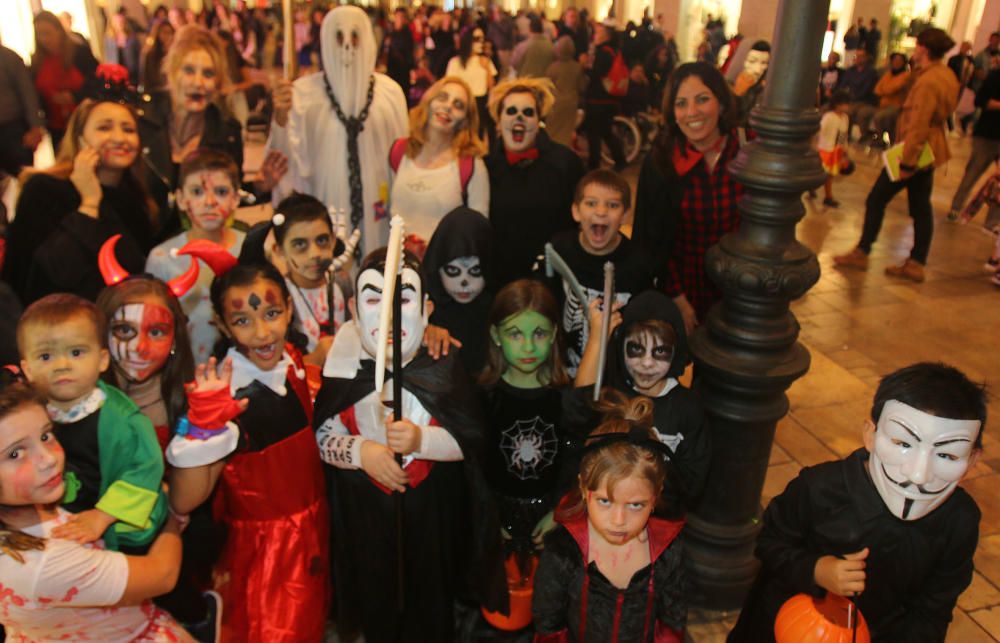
x: 273, y: 572
x: 574, y: 601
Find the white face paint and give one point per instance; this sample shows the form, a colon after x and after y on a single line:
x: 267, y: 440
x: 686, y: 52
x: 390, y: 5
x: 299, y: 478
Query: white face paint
x: 647, y: 361
x: 462, y: 279
x: 918, y: 459
x: 369, y: 302
x: 756, y: 63
x: 519, y: 120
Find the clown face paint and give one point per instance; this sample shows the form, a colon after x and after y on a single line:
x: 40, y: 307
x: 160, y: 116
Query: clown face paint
x: 918, y: 459
x: 519, y: 120
x: 140, y: 338
x: 526, y: 341
x: 369, y: 302
x: 756, y: 63
x: 256, y: 317
x: 647, y: 361
x: 462, y: 279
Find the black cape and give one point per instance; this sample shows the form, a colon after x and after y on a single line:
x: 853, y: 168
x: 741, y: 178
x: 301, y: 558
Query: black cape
x: 451, y: 528
x: 462, y: 233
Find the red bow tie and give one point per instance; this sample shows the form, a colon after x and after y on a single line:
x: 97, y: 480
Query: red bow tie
x: 516, y: 157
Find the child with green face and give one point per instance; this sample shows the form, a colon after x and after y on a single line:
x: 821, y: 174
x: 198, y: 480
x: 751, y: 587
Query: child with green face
x: 523, y: 385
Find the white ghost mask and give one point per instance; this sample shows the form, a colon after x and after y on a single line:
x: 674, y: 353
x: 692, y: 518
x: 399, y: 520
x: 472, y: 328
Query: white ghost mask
x: 369, y: 302
x: 348, y: 52
x: 462, y: 279
x: 519, y: 121
x: 918, y: 459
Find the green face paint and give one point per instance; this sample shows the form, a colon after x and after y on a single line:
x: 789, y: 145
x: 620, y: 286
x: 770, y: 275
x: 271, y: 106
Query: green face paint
x: 526, y: 341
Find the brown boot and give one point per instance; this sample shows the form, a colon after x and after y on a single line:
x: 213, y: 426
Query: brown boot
x: 909, y: 269
x: 854, y: 259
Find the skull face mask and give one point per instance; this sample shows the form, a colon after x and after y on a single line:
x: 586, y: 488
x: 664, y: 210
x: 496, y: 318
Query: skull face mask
x: 462, y: 279
x: 519, y: 121
x: 918, y: 459
x: 370, y: 286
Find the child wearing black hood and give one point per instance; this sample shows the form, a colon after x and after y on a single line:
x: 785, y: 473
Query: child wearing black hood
x: 647, y: 352
x: 458, y: 271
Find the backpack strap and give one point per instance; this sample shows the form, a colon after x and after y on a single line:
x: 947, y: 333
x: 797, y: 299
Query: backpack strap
x: 466, y: 168
x: 396, y: 153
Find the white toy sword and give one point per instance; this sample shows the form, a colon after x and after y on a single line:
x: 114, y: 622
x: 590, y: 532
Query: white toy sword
x: 393, y: 266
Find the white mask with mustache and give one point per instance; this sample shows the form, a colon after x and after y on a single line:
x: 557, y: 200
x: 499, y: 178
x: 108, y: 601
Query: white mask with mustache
x: 919, y: 458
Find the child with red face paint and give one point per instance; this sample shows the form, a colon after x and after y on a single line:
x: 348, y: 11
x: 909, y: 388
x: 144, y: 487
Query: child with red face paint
x: 611, y: 571
x: 272, y: 574
x: 208, y: 195
x: 55, y: 589
x: 114, y: 467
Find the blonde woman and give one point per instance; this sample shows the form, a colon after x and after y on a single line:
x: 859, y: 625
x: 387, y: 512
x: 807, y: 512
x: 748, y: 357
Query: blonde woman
x: 439, y: 167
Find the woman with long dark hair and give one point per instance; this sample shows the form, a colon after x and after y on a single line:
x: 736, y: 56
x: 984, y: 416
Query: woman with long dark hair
x: 479, y: 73
x: 151, y: 74
x: 686, y: 199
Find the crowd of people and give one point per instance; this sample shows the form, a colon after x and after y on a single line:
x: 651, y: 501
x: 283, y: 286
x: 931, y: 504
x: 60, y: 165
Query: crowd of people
x: 214, y: 429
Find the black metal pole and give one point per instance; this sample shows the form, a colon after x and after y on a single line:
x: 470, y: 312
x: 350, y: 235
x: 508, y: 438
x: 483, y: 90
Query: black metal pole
x: 397, y: 414
x: 747, y: 354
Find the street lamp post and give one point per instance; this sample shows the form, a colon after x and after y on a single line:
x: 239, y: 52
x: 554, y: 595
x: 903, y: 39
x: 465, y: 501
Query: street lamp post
x: 747, y: 354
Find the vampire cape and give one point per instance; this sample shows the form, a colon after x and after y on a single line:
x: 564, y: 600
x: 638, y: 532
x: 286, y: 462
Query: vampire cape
x: 450, y: 517
x: 462, y: 233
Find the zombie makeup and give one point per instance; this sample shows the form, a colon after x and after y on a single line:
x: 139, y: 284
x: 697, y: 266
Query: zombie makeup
x: 462, y: 279
x: 256, y: 317
x: 208, y: 198
x: 917, y: 458
x: 599, y: 213
x: 140, y: 338
x: 647, y: 361
x: 308, y: 250
x: 369, y: 301
x: 519, y: 121
x: 448, y: 109
x: 196, y: 83
x: 526, y: 341
x: 32, y: 461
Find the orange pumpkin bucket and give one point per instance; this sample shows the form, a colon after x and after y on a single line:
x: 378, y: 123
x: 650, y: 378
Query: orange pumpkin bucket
x: 804, y: 619
x: 520, y: 584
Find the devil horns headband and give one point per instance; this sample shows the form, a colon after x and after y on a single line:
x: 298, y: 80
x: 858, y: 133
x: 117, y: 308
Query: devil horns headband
x: 113, y: 273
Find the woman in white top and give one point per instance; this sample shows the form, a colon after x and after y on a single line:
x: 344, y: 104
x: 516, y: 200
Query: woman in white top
x: 57, y: 589
x: 427, y: 180
x: 478, y: 71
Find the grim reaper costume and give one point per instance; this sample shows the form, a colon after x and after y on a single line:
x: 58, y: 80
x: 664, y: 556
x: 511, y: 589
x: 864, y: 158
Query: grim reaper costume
x: 341, y: 125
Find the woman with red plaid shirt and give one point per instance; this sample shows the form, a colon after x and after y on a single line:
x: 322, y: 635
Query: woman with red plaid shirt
x: 686, y: 199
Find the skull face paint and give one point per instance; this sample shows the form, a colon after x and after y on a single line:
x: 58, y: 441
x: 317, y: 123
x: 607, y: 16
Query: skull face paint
x: 140, y: 338
x: 369, y: 302
x: 519, y: 121
x: 647, y: 361
x: 462, y: 279
x: 918, y: 459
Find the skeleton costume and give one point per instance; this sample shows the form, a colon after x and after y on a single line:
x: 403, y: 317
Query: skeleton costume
x: 451, y: 535
x: 327, y: 159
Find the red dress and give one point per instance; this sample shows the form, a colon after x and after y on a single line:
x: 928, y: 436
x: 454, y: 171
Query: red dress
x: 273, y: 572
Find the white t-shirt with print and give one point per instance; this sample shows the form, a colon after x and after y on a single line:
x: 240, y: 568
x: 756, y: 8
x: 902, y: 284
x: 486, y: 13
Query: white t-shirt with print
x: 60, y: 593
x: 424, y: 196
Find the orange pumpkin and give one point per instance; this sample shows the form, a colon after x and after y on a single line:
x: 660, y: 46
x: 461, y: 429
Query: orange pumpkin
x: 804, y: 619
x: 519, y: 586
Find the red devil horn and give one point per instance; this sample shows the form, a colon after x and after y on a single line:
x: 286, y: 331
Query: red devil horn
x: 217, y: 257
x: 111, y: 270
x: 181, y: 284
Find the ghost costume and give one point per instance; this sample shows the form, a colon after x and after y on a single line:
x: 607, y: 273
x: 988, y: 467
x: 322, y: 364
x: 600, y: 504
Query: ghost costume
x: 316, y: 140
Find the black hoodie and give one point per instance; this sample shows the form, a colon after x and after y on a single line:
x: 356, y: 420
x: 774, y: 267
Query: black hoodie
x: 461, y: 233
